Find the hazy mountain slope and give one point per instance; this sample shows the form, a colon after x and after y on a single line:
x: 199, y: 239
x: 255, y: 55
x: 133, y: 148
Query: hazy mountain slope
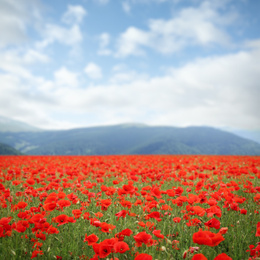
x: 8, y: 150
x: 131, y: 139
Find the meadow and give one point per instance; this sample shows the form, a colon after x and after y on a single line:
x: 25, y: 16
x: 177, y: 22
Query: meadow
x: 130, y: 207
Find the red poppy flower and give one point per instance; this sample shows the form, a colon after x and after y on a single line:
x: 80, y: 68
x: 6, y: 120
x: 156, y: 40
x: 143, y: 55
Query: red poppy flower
x: 104, y: 248
x: 92, y: 239
x: 177, y: 219
x: 62, y: 219
x: 105, y: 204
x: 121, y: 247
x: 243, y: 211
x: 156, y: 192
x: 121, y: 213
x: 52, y: 230
x: 141, y: 238
x: 207, y: 238
x: 158, y: 234
x: 121, y: 235
x: 30, y: 181
x: 20, y: 226
x: 21, y: 205
x: 106, y: 228
x: 143, y: 257
x: 213, y: 223
x: 99, y: 214
x: 222, y: 256
x: 35, y: 253
x: 257, y: 234
x: 50, y: 206
x: 155, y: 215
x: 77, y: 213
x: 64, y: 203
x: 199, y: 257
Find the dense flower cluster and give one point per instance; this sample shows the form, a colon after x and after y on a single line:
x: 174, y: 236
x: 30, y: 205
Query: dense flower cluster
x: 130, y: 207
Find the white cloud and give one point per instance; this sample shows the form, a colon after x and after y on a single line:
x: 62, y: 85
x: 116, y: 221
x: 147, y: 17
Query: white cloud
x: 74, y: 14
x: 15, y: 16
x: 131, y: 41
x: 218, y: 91
x: 93, y: 71
x: 193, y: 26
x: 65, y: 77
x: 121, y: 74
x: 68, y: 36
x: 33, y: 56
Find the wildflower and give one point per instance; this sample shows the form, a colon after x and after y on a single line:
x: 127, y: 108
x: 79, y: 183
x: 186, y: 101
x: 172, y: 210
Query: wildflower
x: 141, y: 238
x: 35, y: 253
x: 213, y: 223
x: 177, y: 219
x: 143, y: 257
x: 207, y: 238
x: 199, y: 257
x: 122, y: 214
x: 158, y: 234
x: 222, y: 256
x: 121, y: 247
x: 62, y: 219
x: 91, y: 239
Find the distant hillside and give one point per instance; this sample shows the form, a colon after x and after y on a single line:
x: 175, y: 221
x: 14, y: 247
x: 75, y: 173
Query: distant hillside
x: 9, y: 125
x: 131, y: 139
x: 8, y: 150
x: 252, y: 135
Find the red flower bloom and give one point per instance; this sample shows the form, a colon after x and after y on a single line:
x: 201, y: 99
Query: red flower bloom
x: 143, y: 257
x: 21, y: 205
x: 35, y: 253
x: 207, y: 238
x: 213, y: 223
x: 199, y: 257
x: 222, y: 256
x: 121, y: 247
x: 141, y: 238
x: 177, y: 219
x: 257, y: 234
x: 62, y: 219
x: 77, y: 213
x: 158, y: 234
x: 64, y: 203
x: 20, y: 226
x: 50, y: 206
x: 104, y: 248
x: 92, y: 239
x: 155, y: 215
x: 122, y: 214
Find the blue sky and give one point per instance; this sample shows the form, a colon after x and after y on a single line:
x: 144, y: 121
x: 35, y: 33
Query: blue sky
x: 66, y: 64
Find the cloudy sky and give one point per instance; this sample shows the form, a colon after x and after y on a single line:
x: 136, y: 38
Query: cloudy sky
x: 66, y: 64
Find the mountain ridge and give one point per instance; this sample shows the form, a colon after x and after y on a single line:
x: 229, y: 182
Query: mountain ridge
x: 131, y: 139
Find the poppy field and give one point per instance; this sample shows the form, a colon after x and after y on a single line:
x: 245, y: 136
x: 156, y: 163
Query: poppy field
x: 130, y: 207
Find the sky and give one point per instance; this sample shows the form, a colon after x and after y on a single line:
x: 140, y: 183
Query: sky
x: 81, y: 63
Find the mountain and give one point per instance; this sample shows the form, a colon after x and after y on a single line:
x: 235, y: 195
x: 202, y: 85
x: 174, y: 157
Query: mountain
x: 10, y: 125
x: 131, y: 139
x: 8, y: 150
x: 252, y: 135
